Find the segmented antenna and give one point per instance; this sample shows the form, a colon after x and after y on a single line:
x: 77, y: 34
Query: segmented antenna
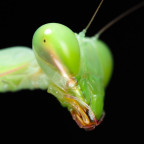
x: 126, y: 13
x: 91, y: 20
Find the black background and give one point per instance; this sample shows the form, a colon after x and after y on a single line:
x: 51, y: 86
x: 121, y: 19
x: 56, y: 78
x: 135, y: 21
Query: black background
x: 38, y: 115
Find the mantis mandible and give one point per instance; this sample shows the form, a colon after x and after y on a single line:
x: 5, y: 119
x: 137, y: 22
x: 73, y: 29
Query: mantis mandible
x: 74, y: 68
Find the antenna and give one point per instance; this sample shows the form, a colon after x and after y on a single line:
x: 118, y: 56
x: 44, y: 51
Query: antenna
x: 91, y: 20
x: 126, y: 13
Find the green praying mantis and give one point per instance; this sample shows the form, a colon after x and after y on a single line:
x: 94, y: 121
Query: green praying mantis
x: 74, y: 68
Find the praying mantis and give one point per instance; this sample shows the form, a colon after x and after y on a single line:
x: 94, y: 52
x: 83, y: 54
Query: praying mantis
x: 75, y: 69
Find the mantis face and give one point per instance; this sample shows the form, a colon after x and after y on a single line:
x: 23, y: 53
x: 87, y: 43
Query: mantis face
x: 58, y: 52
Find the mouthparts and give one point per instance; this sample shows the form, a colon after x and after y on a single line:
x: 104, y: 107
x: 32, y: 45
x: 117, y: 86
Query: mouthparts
x: 82, y: 114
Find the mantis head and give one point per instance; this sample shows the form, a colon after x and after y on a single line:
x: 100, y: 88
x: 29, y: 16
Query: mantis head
x: 57, y: 51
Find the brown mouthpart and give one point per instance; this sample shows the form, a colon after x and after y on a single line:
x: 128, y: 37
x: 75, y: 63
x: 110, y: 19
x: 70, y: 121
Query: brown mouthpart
x: 83, y: 114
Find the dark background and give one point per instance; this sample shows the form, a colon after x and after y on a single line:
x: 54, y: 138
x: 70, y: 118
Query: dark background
x: 38, y: 115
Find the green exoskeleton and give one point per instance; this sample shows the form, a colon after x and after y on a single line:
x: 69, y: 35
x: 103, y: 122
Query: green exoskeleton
x: 74, y: 68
